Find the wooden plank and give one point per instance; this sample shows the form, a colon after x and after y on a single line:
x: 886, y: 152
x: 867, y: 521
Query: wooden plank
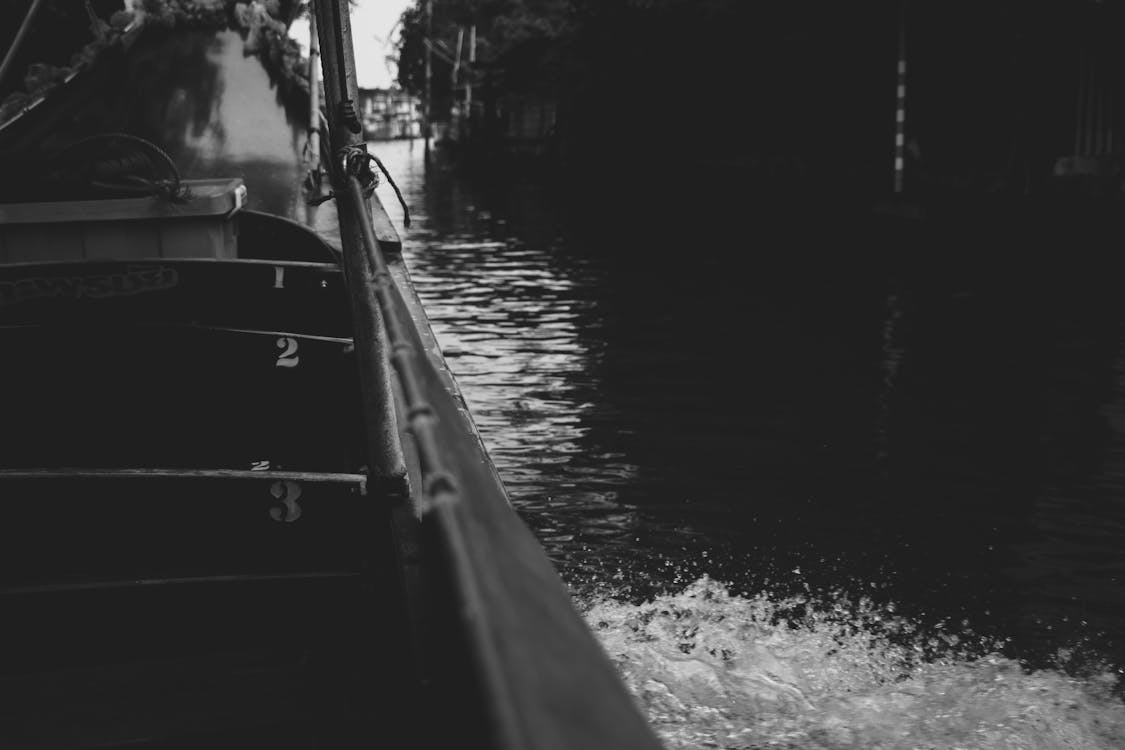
x: 78, y: 530
x: 267, y: 475
x: 129, y: 583
x: 116, y: 240
x: 26, y: 243
x: 214, y: 198
x: 144, y: 396
x: 176, y: 262
x: 254, y: 332
x: 385, y: 231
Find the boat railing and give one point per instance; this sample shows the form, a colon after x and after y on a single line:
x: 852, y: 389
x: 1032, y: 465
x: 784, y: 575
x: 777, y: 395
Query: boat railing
x: 537, y: 676
x: 509, y: 597
x: 537, y: 664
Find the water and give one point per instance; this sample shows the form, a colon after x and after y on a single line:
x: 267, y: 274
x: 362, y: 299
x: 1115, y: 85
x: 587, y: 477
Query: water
x: 832, y: 503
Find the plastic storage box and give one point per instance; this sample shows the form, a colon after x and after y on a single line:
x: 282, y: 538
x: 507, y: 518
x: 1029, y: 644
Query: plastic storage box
x: 125, y: 228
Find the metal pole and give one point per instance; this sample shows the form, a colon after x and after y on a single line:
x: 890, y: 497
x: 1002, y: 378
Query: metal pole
x: 386, y: 463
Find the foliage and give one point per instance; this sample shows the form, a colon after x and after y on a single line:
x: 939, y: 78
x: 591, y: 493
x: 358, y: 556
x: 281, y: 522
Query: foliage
x: 280, y: 54
x: 510, y: 34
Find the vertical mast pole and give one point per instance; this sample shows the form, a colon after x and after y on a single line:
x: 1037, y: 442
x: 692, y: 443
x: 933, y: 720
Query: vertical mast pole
x: 386, y: 464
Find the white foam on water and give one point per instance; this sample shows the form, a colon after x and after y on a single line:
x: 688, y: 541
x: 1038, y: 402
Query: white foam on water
x: 714, y: 670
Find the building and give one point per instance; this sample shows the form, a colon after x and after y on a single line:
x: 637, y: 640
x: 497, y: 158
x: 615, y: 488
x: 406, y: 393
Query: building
x: 390, y: 113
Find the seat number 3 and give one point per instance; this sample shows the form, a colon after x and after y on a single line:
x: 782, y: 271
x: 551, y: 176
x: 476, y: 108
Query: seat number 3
x: 285, y: 494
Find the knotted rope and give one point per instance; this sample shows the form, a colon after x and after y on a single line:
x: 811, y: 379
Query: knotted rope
x: 355, y: 161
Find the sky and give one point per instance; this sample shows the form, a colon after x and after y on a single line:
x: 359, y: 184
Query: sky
x: 373, y: 34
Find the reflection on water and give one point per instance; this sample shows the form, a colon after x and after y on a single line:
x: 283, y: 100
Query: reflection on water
x: 938, y: 442
x: 246, y: 134
x: 236, y: 127
x: 518, y: 319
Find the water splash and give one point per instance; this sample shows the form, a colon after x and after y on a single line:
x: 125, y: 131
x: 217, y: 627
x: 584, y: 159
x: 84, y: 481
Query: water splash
x: 713, y: 670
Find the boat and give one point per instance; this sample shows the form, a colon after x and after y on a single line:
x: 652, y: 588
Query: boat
x: 244, y: 501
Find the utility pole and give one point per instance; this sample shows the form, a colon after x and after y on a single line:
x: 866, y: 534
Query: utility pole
x: 314, y: 97
x: 429, y: 75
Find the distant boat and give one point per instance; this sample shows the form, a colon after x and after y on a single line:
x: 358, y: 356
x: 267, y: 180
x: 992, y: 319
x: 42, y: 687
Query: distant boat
x: 244, y: 502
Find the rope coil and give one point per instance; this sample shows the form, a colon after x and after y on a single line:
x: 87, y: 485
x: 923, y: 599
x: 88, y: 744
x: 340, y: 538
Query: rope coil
x: 115, y: 168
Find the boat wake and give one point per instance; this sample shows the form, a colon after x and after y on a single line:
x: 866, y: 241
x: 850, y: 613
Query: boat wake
x: 714, y: 670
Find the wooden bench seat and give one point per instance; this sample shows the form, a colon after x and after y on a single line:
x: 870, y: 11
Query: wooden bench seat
x: 177, y: 397
x: 78, y: 527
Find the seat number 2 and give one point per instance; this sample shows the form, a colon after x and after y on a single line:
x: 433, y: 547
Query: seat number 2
x: 288, y: 356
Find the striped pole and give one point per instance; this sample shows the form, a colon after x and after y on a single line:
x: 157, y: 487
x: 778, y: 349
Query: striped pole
x: 900, y: 101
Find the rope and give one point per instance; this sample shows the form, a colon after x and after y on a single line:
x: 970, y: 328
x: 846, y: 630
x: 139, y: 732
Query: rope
x: 118, y: 167
x: 355, y: 160
x: 401, y: 200
x: 321, y: 199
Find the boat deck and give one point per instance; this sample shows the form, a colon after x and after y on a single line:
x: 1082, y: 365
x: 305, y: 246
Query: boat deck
x: 191, y: 555
x: 288, y: 662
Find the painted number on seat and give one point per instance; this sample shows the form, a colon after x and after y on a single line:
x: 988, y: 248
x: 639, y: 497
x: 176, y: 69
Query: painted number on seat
x: 288, y: 356
x: 285, y: 508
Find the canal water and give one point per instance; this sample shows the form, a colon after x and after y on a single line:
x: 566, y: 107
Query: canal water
x: 812, y: 489
x: 815, y: 484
